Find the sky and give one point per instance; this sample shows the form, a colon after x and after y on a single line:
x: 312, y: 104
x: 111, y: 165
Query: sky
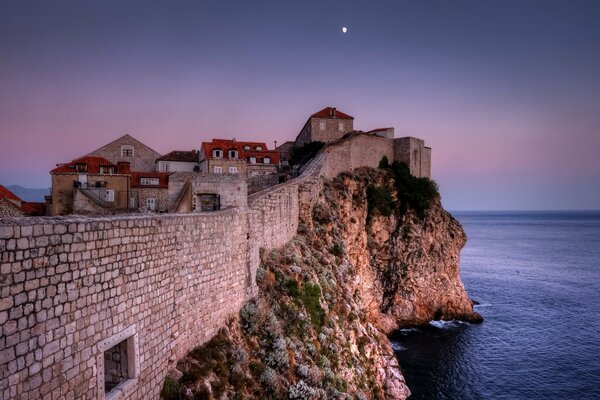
x: 506, y: 93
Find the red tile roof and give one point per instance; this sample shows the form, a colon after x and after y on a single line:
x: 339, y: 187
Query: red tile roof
x: 163, y: 179
x: 7, y: 194
x: 93, y: 165
x: 226, y: 145
x: 328, y: 112
x: 18, y: 203
x: 180, y: 155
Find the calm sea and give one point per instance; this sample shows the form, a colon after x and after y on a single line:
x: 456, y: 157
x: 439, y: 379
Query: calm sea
x: 537, y: 279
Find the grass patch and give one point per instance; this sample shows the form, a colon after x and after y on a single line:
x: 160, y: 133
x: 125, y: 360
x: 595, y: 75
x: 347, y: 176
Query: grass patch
x: 311, y: 296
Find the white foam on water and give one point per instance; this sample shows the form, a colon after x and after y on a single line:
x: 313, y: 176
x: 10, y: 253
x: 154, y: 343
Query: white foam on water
x: 446, y: 324
x: 397, y: 346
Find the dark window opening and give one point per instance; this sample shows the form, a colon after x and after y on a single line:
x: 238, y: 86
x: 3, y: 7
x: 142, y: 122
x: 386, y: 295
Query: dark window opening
x: 116, y: 369
x: 210, y: 202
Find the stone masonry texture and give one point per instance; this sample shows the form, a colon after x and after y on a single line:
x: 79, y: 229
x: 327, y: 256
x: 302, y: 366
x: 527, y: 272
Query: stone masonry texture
x: 69, y: 283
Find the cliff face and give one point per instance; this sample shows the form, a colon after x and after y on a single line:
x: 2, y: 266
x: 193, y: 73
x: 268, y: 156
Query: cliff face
x: 365, y: 264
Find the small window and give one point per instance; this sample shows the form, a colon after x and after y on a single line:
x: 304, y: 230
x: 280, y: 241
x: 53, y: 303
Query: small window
x: 233, y: 170
x: 107, y: 170
x: 322, y: 126
x: 210, y: 202
x: 118, y: 365
x: 149, y: 181
x: 127, y: 151
x: 109, y: 195
x: 218, y: 153
x: 252, y: 160
x: 81, y: 168
x: 163, y: 166
x: 218, y: 170
x: 340, y: 126
x: 254, y: 173
x: 258, y: 148
x: 151, y: 203
x: 267, y: 160
x: 232, y: 154
x: 247, y: 147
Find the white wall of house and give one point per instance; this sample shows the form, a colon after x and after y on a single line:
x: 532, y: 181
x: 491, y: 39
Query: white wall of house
x: 176, y: 166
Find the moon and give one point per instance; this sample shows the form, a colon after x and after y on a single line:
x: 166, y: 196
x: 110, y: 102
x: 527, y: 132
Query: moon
x: 344, y: 29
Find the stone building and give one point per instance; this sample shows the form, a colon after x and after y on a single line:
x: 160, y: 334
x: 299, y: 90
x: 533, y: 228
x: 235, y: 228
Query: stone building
x: 327, y: 125
x: 222, y: 156
x: 89, y: 185
x: 199, y: 192
x: 149, y: 191
x: 178, y: 160
x: 415, y: 154
x: 128, y: 149
x: 12, y: 205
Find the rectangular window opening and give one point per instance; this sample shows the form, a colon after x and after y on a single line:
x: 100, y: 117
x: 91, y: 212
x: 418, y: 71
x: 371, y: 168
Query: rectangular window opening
x: 115, y: 366
x: 118, y: 365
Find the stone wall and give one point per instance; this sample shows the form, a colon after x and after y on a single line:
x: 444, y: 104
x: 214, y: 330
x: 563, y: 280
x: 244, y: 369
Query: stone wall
x: 160, y: 196
x: 415, y: 154
x: 349, y: 153
x: 73, y: 287
x: 69, y: 283
x: 261, y: 182
x: 8, y: 209
x: 232, y: 189
x: 143, y: 159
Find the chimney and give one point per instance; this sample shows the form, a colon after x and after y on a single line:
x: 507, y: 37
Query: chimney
x: 332, y: 111
x: 123, y: 167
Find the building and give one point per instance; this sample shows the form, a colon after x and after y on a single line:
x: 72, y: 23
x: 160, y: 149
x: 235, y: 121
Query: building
x: 89, y: 185
x: 178, y: 160
x: 222, y: 156
x: 383, y: 132
x: 200, y: 192
x: 415, y: 154
x: 128, y: 149
x: 327, y: 125
x: 12, y: 205
x: 149, y: 191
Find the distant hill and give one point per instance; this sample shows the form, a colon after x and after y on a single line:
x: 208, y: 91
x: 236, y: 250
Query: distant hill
x: 28, y: 194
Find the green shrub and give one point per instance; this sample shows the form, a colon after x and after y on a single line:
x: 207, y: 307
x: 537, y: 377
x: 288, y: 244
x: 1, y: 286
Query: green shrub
x: 311, y: 296
x: 384, y: 163
x: 379, y: 200
x: 170, y: 389
x: 418, y: 193
x: 337, y: 249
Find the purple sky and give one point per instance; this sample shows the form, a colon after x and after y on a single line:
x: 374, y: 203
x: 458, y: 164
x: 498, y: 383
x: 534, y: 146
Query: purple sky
x: 507, y: 93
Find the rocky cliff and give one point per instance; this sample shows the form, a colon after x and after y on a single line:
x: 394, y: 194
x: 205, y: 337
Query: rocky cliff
x: 379, y: 253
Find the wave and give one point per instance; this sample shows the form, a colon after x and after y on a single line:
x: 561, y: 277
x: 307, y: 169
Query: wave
x: 447, y: 324
x: 397, y: 346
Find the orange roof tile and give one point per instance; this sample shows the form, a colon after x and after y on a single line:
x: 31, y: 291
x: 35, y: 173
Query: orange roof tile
x: 244, y: 154
x: 7, y: 194
x: 328, y: 111
x: 93, y: 165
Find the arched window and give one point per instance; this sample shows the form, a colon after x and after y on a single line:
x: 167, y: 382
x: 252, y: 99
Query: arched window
x: 127, y: 151
x: 232, y: 153
x: 267, y: 160
x: 247, y: 147
x: 252, y: 160
x: 258, y: 148
x: 217, y: 153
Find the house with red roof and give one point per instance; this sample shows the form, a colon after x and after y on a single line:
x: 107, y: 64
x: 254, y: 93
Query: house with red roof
x: 89, y: 185
x: 149, y: 191
x: 248, y: 159
x: 179, y: 161
x: 12, y: 205
x: 327, y: 125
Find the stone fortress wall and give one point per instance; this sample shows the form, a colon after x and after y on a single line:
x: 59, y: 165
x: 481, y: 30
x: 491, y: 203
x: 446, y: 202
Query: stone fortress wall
x: 71, y: 288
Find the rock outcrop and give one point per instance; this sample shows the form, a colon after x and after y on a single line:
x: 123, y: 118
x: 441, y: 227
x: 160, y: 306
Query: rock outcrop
x: 371, y: 259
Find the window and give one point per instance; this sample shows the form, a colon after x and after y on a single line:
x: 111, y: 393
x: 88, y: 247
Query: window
x: 132, y: 202
x: 149, y: 181
x: 254, y: 173
x: 247, y: 147
x: 267, y: 160
x: 233, y: 170
x: 107, y: 170
x: 340, y: 126
x: 232, y: 154
x: 81, y: 167
x: 118, y: 365
x: 126, y: 151
x: 151, y: 203
x: 322, y: 126
x: 109, y: 195
x: 252, y: 160
x: 258, y: 148
x: 217, y: 153
x: 210, y: 202
x: 163, y: 166
x: 218, y: 170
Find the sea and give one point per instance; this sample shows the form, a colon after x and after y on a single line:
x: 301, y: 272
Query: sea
x: 536, y: 277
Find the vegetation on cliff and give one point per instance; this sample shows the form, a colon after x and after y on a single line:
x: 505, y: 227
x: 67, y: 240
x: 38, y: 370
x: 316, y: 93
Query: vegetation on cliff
x: 317, y: 328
